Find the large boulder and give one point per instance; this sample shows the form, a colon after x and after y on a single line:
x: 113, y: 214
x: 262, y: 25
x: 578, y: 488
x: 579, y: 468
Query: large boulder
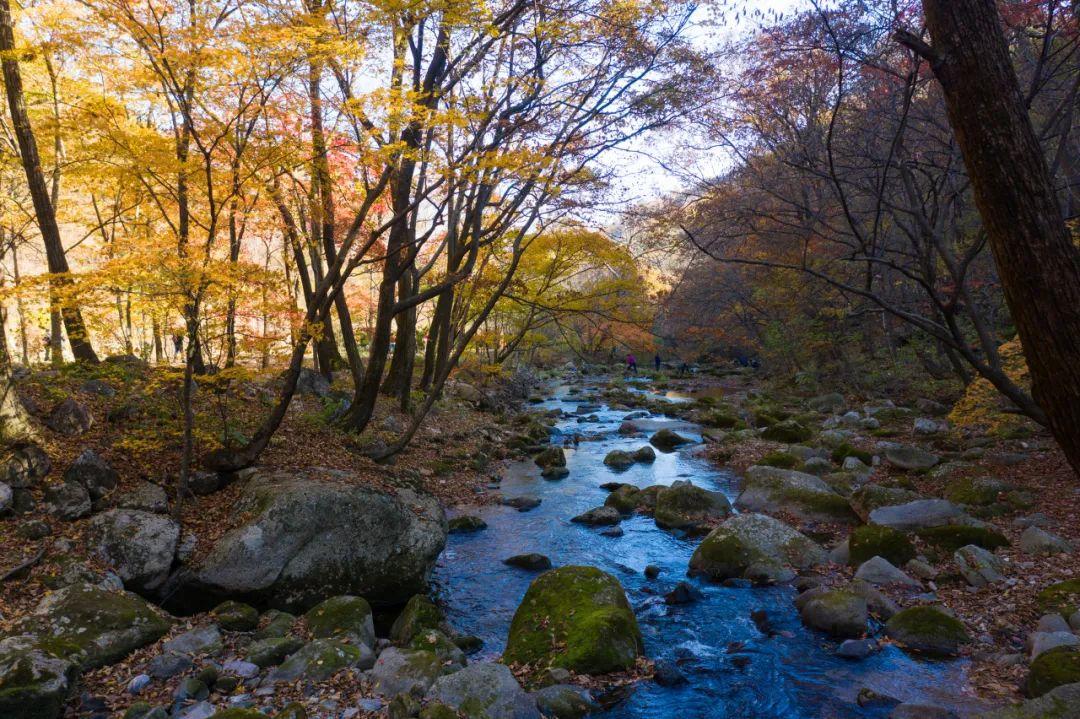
x: 24, y: 465
x: 772, y: 489
x: 92, y: 472
x: 316, y: 535
x: 93, y: 627
x: 34, y: 684
x: 919, y: 514
x: 979, y: 566
x: 869, y: 497
x: 312, y: 383
x: 550, y: 457
x: 68, y: 501
x: 927, y: 630
x: 1051, y: 669
x: 667, y: 440
x: 139, y: 545
x: 576, y: 618
x: 419, y: 615
x: 753, y: 545
x: 684, y: 506
x: 484, y: 690
x: 321, y: 659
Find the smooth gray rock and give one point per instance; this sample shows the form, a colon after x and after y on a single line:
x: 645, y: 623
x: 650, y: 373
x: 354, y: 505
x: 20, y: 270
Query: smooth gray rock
x: 878, y: 570
x: 747, y: 543
x: 69, y: 418
x: 837, y: 613
x: 857, y: 648
x: 771, y: 489
x: 685, y: 506
x: 1042, y: 543
x: 1053, y: 623
x: 1063, y: 701
x: 910, y: 458
x: 1039, y: 642
x: 316, y: 534
x: 7, y: 496
x: 201, y: 640
x: 919, y: 514
x: 320, y: 659
x: 139, y: 545
x: 565, y: 701
x: 599, y: 516
x: 488, y: 690
x: 168, y: 665
x: 978, y: 566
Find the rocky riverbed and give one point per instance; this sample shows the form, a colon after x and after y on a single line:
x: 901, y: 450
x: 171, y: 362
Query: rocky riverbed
x: 649, y: 553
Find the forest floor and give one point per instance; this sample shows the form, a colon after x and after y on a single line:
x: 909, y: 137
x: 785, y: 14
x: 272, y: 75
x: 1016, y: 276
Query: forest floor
x: 455, y: 457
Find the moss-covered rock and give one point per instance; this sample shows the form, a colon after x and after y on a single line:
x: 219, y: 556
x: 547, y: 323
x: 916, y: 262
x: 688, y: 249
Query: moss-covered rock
x: 406, y: 671
x: 236, y: 616
x: 951, y: 537
x: 34, y: 684
x: 275, y: 623
x: 978, y: 491
x: 845, y: 450
x: 93, y: 627
x: 625, y: 499
x: 869, y: 497
x: 788, y: 431
x: 871, y: 540
x: 419, y: 614
x: 667, y: 440
x: 1062, y: 597
x: 838, y: 613
x: 747, y: 541
x: 770, y: 489
x: 1062, y: 702
x: 466, y: 524
x: 619, y: 460
x: 927, y: 630
x: 1053, y: 668
x: 272, y: 651
x: 576, y: 618
x: 780, y: 459
x: 685, y: 506
x: 342, y: 617
x: 550, y: 457
x: 238, y: 713
x: 432, y: 640
x: 645, y: 454
x: 319, y: 660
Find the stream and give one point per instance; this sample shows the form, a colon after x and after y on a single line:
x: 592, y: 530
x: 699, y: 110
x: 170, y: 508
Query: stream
x: 734, y: 670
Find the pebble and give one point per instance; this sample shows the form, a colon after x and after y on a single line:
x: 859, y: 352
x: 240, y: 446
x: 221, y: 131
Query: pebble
x: 138, y: 683
x: 667, y: 674
x: 613, y: 532
x: 652, y: 571
x: 857, y: 648
x: 683, y: 593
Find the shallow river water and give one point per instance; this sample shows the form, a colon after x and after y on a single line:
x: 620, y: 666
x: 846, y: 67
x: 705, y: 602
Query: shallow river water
x: 734, y: 670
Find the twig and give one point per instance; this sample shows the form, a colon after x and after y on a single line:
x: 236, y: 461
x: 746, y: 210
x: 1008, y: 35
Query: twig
x: 15, y: 571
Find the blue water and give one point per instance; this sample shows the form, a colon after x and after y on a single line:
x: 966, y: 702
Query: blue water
x: 734, y: 670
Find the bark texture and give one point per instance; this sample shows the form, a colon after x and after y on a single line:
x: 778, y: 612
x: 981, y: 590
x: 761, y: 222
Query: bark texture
x: 1038, y: 263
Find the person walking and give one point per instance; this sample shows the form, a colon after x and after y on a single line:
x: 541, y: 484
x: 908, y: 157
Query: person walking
x: 631, y: 364
x: 656, y: 361
x: 178, y: 344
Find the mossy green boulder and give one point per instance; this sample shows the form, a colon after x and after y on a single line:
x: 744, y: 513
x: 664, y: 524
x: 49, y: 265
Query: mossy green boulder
x: 619, y: 460
x: 625, y: 499
x: 845, y: 450
x: 576, y: 618
x: 869, y: 497
x: 788, y: 431
x: 771, y: 489
x: 1062, y: 597
x: 275, y: 624
x: 1051, y: 669
x: 272, y: 651
x: 749, y: 545
x: 685, y: 506
x: 419, y: 614
x: 927, y: 630
x: 838, y: 613
x: 238, y: 713
x: 466, y: 524
x: 34, y: 684
x: 550, y: 457
x: 782, y: 460
x: 318, y: 660
x: 951, y: 537
x: 871, y: 540
x: 979, y: 491
x: 342, y: 617
x: 236, y: 616
x: 1062, y: 702
x: 93, y: 627
x: 667, y: 440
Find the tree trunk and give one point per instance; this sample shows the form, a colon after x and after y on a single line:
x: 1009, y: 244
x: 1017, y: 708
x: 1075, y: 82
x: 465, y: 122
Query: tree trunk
x: 1036, y: 259
x: 44, y: 211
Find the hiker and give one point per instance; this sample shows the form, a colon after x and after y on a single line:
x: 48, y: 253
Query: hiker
x: 656, y: 361
x: 178, y: 344
x: 684, y: 369
x: 46, y: 341
x: 631, y: 364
